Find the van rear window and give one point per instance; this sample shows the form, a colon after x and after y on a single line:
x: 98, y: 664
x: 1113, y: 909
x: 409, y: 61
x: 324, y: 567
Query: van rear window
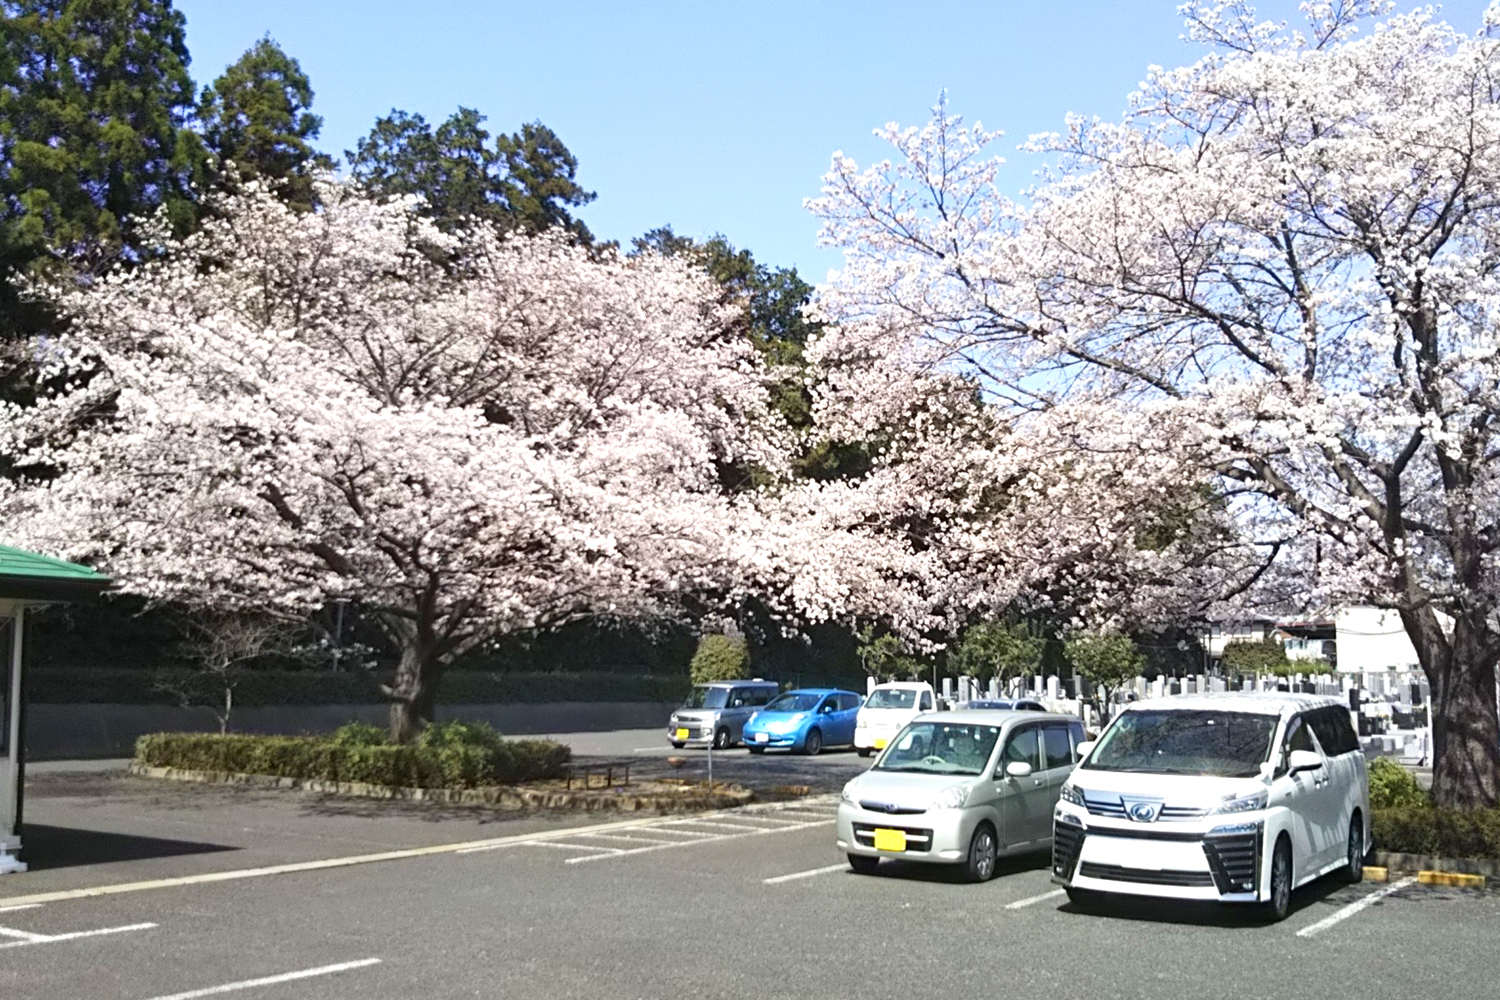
x: 891, y: 698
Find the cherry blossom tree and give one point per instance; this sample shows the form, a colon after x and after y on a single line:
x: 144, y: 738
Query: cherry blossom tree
x: 1279, y: 270
x: 467, y: 434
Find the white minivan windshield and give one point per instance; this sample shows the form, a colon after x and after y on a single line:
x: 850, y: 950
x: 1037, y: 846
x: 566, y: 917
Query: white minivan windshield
x: 940, y: 748
x: 1222, y: 744
x: 892, y: 698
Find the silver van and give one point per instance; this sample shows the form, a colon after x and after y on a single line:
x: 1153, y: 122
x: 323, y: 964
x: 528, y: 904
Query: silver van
x: 715, y: 714
x: 960, y: 788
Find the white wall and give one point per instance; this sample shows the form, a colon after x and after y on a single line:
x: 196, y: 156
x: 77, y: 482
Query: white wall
x: 1370, y: 639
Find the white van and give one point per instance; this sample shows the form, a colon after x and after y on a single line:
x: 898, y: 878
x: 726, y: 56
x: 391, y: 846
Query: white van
x: 1238, y: 798
x: 887, y: 710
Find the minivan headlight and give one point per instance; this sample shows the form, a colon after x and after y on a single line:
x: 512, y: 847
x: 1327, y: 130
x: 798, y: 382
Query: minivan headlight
x: 951, y: 798
x: 1245, y: 803
x: 1072, y: 793
x: 848, y: 792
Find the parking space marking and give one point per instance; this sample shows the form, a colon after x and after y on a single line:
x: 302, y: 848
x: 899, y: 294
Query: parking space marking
x: 11, y: 932
x: 718, y: 839
x: 841, y: 866
x: 628, y: 838
x: 1034, y: 899
x: 73, y: 936
x: 1355, y: 907
x: 285, y: 977
x: 569, y: 847
x: 12, y: 909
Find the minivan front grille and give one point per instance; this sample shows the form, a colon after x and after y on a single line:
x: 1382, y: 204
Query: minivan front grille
x: 917, y: 841
x: 1142, y: 876
x: 1067, y: 842
x: 1105, y: 807
x: 889, y: 807
x: 1234, y: 859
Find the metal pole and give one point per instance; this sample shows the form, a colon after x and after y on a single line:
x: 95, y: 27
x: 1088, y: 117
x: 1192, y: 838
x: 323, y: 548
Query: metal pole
x: 710, y: 764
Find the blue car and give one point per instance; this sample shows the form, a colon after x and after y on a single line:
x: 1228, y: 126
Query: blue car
x: 804, y: 721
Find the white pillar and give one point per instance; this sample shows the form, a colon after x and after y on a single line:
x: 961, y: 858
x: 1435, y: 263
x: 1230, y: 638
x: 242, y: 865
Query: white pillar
x: 10, y: 764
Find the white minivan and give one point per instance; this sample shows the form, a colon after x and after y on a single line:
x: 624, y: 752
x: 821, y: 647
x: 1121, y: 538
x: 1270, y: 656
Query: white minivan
x: 887, y: 710
x: 1238, y: 798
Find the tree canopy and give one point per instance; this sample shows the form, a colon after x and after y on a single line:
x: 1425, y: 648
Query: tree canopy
x: 526, y: 180
x: 257, y: 115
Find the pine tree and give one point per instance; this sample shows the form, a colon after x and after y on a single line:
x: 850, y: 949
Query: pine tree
x: 256, y: 116
x: 94, y: 104
x: 523, y: 181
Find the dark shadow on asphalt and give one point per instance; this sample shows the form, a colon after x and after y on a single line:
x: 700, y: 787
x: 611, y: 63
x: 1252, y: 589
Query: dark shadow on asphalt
x: 917, y: 871
x: 1188, y: 911
x: 49, y: 847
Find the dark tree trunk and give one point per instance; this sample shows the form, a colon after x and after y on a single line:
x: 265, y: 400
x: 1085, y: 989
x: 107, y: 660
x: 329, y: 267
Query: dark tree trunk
x: 1465, y: 720
x: 414, y: 698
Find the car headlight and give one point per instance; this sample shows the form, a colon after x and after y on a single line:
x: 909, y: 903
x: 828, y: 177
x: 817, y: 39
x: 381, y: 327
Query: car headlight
x: 1072, y: 793
x: 951, y: 798
x: 753, y: 717
x: 860, y: 723
x: 1245, y: 803
x: 848, y: 792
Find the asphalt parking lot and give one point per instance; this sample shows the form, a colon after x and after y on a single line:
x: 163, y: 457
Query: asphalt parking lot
x: 752, y: 902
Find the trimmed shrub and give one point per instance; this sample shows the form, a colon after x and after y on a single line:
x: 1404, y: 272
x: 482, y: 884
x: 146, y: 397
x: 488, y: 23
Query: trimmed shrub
x: 454, y: 760
x: 92, y: 686
x: 1447, y: 833
x: 720, y: 658
x: 1394, y: 787
x: 359, y: 734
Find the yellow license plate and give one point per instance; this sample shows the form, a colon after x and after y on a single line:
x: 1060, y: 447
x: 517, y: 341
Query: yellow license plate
x: 880, y: 744
x: 890, y: 840
x: 682, y: 734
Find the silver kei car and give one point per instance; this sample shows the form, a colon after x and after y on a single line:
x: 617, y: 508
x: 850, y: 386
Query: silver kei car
x: 963, y: 788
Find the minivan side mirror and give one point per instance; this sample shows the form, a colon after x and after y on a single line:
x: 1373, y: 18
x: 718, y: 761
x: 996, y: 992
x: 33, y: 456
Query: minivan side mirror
x: 1017, y: 769
x: 1303, y: 760
x: 1085, y: 747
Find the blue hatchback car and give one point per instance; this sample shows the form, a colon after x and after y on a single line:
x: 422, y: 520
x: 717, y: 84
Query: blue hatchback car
x: 804, y: 721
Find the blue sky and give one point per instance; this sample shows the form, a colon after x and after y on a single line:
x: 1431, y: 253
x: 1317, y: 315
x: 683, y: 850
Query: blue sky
x: 711, y: 116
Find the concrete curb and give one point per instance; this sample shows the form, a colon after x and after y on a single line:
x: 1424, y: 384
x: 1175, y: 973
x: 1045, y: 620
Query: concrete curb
x: 1452, y: 879
x: 1398, y: 862
x: 504, y: 795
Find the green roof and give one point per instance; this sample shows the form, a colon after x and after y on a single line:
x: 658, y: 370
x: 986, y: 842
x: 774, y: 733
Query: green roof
x: 29, y: 576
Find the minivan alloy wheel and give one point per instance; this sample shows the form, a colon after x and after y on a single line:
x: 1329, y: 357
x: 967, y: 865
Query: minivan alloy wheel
x: 1356, y: 870
x: 721, y: 740
x: 1280, y: 902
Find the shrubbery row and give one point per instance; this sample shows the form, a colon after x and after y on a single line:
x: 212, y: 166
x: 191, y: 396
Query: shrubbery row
x: 1405, y: 821
x: 453, y: 755
x: 74, y: 686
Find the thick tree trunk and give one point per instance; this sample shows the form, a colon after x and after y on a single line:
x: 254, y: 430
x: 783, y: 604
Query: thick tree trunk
x: 414, y: 699
x: 1465, y: 720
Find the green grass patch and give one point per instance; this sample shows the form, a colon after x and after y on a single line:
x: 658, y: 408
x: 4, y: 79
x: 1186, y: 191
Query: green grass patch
x: 451, y: 755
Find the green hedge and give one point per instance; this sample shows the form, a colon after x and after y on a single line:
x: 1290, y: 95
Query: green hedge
x: 1446, y: 833
x: 440, y: 759
x: 73, y: 686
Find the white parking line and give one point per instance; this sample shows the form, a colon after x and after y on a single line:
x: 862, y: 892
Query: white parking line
x: 285, y: 977
x: 841, y: 866
x: 628, y: 838
x: 52, y: 938
x: 723, y: 837
x: 570, y: 847
x: 23, y: 935
x: 1355, y: 907
x: 1035, y: 899
x: 742, y: 827
x: 12, y: 909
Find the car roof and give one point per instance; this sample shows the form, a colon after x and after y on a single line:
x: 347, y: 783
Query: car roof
x: 906, y: 685
x: 758, y: 682
x: 1257, y: 702
x: 993, y: 716
x: 818, y: 691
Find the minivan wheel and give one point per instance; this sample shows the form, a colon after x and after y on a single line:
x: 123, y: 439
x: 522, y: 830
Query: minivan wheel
x: 1356, y: 870
x: 813, y: 745
x: 721, y: 740
x: 982, y: 852
x: 1280, y: 904
x: 864, y: 751
x: 863, y: 863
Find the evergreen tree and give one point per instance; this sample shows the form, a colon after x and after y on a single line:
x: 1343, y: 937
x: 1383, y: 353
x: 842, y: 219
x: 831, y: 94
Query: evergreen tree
x: 94, y: 103
x: 523, y: 181
x: 256, y: 115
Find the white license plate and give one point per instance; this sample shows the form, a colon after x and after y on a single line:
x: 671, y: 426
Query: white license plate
x: 761, y: 738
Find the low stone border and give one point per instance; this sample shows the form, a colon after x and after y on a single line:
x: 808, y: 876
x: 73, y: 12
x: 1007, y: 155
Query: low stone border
x: 1398, y: 862
x: 650, y: 796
